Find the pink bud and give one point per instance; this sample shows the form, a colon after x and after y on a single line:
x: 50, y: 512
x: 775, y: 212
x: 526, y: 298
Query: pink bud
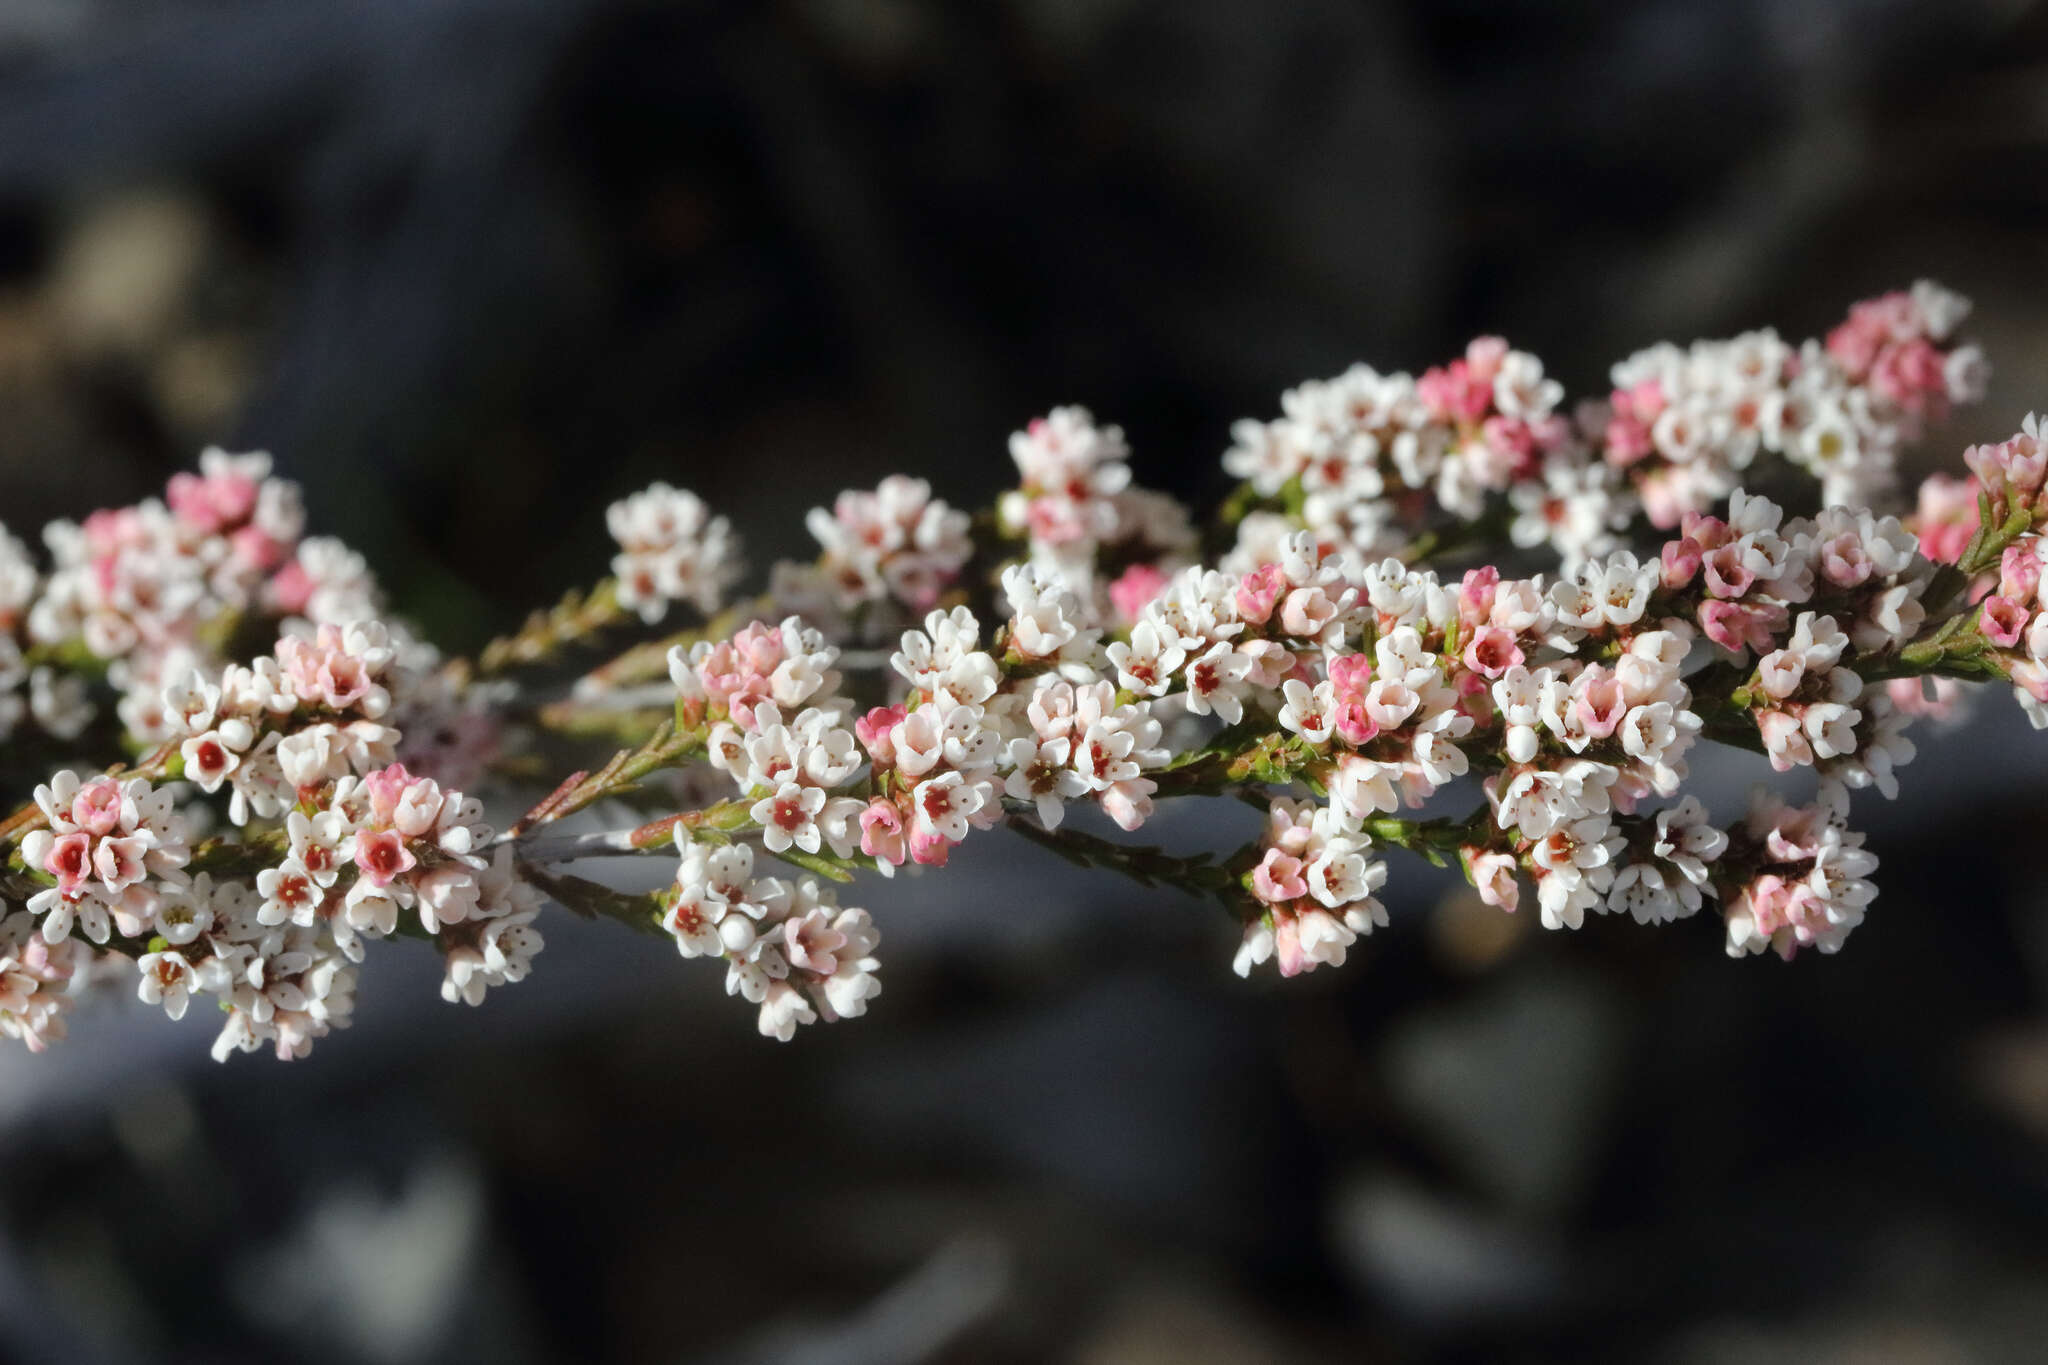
x: 874, y: 730
x: 1259, y: 593
x: 1681, y: 563
x: 1350, y: 674
x: 2019, y: 572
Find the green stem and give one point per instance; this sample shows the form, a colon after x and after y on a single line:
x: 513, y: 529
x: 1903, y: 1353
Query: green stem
x: 576, y: 618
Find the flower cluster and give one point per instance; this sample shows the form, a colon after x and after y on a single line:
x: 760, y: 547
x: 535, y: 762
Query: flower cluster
x: 728, y: 681
x: 671, y: 549
x: 896, y: 543
x: 112, y: 847
x: 1077, y: 511
x: 54, y: 701
x: 933, y: 756
x: 787, y: 944
x: 1354, y: 456
x: 339, y: 842
x: 1807, y: 880
x: 1314, y: 885
x: 1367, y: 462
x: 359, y: 853
x: 1686, y: 423
x: 1669, y: 868
x: 37, y: 981
x: 1350, y: 692
x: 2013, y: 616
x: 291, y: 721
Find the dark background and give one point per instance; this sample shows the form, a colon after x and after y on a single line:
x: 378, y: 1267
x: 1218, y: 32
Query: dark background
x: 475, y: 268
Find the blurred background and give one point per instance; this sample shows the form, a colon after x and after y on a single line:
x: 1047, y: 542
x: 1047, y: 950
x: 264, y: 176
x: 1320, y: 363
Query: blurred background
x: 474, y: 268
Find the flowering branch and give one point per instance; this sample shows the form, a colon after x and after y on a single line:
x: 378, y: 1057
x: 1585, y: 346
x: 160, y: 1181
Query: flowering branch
x: 1068, y: 646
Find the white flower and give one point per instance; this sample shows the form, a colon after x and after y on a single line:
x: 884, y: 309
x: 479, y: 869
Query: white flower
x: 1146, y: 664
x: 671, y: 550
x: 943, y: 805
x: 1216, y: 682
x: 1309, y: 711
x: 166, y: 978
x: 789, y: 817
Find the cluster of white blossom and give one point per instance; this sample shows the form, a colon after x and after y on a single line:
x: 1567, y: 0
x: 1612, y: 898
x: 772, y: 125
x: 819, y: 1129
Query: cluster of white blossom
x: 1315, y: 879
x: 788, y: 945
x: 897, y: 543
x: 39, y: 980
x: 338, y: 842
x: 1689, y: 422
x: 1100, y: 665
x: 1669, y: 868
x: 1810, y: 883
x: 1366, y: 461
x: 1352, y: 459
x: 55, y: 701
x: 1082, y: 520
x: 671, y: 549
x: 2013, y: 616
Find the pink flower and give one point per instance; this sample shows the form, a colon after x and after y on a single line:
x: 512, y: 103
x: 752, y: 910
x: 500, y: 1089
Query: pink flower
x: 1492, y: 651
x: 1493, y: 875
x: 1627, y: 440
x: 2017, y: 464
x: 1476, y: 594
x: 1287, y: 954
x: 813, y: 943
x: 386, y: 786
x: 2019, y: 572
x: 1135, y: 589
x: 256, y: 548
x: 1727, y: 574
x: 342, y: 680
x: 1784, y: 739
x: 1055, y: 520
x: 1306, y: 611
x: 1278, y: 878
x: 1910, y: 695
x: 419, y: 808
x: 119, y: 861
x: 1129, y: 802
x: 291, y: 588
x: 210, y: 504
x: 1946, y: 517
x: 70, y: 861
x: 881, y: 832
x: 1483, y: 357
x: 382, y: 855
x: 1768, y: 900
x: 1737, y: 627
x: 1709, y: 533
x: 1843, y: 561
x: 1514, y: 442
x: 1354, y: 723
x: 1663, y: 498
x: 2004, y: 621
x: 1795, y: 833
x: 930, y: 850
x: 1912, y: 376
x: 1601, y: 704
x: 1458, y: 391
